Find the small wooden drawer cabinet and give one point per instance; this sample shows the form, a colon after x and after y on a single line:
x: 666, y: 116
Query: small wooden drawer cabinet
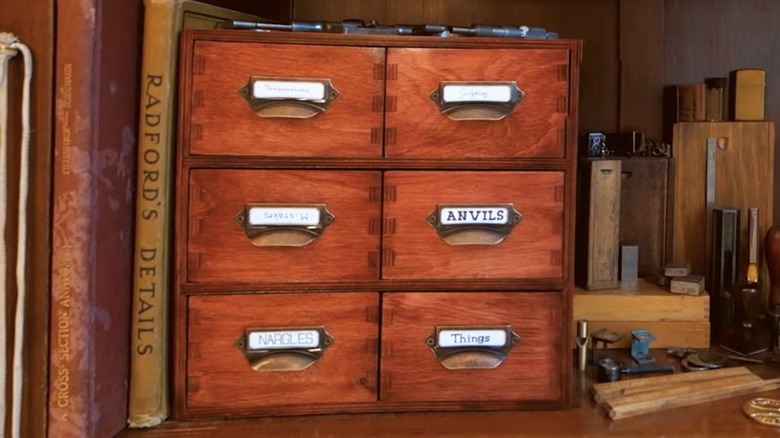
x: 373, y: 223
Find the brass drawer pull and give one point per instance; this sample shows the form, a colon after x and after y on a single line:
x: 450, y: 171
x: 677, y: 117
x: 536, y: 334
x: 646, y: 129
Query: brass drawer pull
x: 474, y: 347
x: 474, y: 224
x: 284, y: 224
x: 477, y: 100
x: 284, y: 349
x: 292, y: 98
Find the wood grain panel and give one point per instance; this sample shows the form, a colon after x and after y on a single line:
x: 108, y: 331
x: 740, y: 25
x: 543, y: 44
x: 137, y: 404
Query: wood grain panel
x: 531, y: 250
x: 226, y: 254
x: 535, y: 128
x: 220, y: 380
x: 411, y: 372
x: 711, y: 38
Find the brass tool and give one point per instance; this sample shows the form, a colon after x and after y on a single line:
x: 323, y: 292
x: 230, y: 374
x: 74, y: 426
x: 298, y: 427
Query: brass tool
x: 763, y: 410
x: 582, y: 344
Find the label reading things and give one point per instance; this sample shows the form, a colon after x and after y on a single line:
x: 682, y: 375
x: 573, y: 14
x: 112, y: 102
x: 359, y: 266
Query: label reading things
x: 283, y: 339
x: 284, y: 216
x: 477, y: 93
x: 472, y: 338
x: 298, y: 90
x: 473, y: 215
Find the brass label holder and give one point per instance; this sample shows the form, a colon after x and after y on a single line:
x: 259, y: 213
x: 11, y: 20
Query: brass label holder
x: 485, y: 100
x: 283, y: 349
x: 472, y: 347
x: 291, y: 98
x: 474, y: 224
x: 283, y: 224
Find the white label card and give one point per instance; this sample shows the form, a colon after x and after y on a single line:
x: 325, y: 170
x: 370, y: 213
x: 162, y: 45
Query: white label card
x: 472, y: 338
x: 283, y: 339
x: 477, y: 93
x: 298, y: 90
x: 284, y: 216
x: 473, y: 215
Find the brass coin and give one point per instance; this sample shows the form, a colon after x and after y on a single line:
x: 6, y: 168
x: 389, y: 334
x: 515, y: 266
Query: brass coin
x: 763, y: 410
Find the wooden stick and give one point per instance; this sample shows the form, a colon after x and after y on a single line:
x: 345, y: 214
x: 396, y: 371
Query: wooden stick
x: 601, y: 391
x: 714, y: 392
x: 672, y: 387
x: 668, y: 392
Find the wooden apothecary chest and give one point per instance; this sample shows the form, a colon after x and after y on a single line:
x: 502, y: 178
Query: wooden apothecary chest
x: 373, y: 223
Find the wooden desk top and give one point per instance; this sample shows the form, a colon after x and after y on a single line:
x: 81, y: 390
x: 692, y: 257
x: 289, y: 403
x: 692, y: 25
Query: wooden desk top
x: 722, y: 418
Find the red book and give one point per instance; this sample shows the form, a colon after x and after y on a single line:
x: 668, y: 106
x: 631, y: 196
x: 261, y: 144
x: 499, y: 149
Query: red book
x: 96, y: 96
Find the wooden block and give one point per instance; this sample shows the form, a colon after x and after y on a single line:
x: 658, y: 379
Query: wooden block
x: 688, y: 285
x: 748, y: 94
x: 677, y: 269
x: 691, y: 334
x: 641, y: 301
x: 743, y: 174
x: 691, y: 102
x: 598, y: 223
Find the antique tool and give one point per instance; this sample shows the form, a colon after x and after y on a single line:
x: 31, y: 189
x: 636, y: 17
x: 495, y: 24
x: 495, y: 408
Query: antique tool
x: 680, y: 352
x: 712, y: 150
x: 707, y: 360
x: 604, y: 337
x: 582, y: 344
x: 723, y: 269
x: 640, y: 346
x: 772, y: 251
x: 763, y: 410
x: 610, y: 370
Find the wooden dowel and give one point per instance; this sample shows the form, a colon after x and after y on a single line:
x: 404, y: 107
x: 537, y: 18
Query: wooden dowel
x: 671, y: 387
x: 651, y: 396
x: 716, y: 392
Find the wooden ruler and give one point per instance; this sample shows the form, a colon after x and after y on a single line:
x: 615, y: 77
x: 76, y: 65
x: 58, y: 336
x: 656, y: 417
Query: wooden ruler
x: 610, y: 390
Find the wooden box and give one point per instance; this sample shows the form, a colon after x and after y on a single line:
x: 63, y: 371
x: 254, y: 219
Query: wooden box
x: 228, y: 240
x: 473, y: 224
x: 424, y: 121
x: 259, y: 353
x: 437, y: 347
x: 262, y: 100
x: 674, y: 320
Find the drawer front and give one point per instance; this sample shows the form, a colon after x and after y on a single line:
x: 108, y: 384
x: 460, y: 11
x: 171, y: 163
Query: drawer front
x: 462, y: 126
x: 418, y: 365
x: 284, y: 80
x: 225, y: 378
x: 420, y: 245
x: 229, y: 238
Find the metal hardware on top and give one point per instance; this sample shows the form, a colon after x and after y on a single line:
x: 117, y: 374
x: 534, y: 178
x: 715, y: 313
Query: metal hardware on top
x: 472, y: 347
x: 284, y: 224
x: 292, y: 98
x: 474, y: 224
x: 477, y: 100
x: 284, y: 349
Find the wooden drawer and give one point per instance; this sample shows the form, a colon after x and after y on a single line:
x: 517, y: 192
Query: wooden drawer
x: 222, y: 121
x: 412, y: 371
x: 223, y: 378
x: 229, y: 240
x: 420, y: 245
x: 418, y: 127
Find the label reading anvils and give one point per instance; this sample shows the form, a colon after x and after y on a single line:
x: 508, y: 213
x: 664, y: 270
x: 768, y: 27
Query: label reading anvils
x: 282, y: 339
x: 298, y: 90
x: 284, y: 216
x: 473, y: 215
x: 472, y: 338
x: 476, y: 93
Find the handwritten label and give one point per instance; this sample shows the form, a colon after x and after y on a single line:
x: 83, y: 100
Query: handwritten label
x: 472, y: 338
x: 284, y: 216
x: 476, y: 215
x: 298, y: 90
x: 477, y: 93
x: 283, y: 339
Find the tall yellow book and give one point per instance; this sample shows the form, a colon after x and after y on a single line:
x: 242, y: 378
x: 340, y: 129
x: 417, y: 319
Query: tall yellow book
x: 163, y: 22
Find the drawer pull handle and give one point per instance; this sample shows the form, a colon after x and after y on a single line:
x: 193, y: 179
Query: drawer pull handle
x: 477, y: 100
x: 475, y: 347
x: 289, y: 98
x: 283, y: 349
x: 284, y: 224
x: 474, y: 224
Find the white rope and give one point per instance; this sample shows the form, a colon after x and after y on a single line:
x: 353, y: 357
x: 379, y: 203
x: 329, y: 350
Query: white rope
x: 9, y: 45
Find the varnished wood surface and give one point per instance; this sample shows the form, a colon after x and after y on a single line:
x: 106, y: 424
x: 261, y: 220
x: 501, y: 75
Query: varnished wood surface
x: 721, y: 419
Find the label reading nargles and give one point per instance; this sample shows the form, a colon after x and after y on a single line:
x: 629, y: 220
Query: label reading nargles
x: 473, y: 215
x: 284, y: 216
x: 451, y: 338
x: 282, y: 339
x: 297, y: 90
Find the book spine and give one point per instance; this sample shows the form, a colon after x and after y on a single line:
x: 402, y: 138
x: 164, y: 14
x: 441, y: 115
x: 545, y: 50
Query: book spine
x: 148, y: 405
x: 70, y: 282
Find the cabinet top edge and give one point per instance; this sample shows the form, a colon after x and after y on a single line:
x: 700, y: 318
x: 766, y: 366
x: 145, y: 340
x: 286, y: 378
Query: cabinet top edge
x: 282, y: 37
